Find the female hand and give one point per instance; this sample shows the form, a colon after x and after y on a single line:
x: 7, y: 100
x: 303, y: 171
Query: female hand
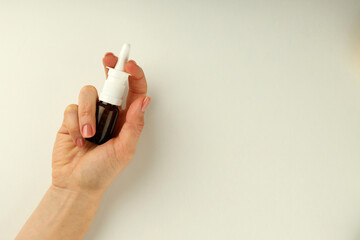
x: 82, y: 166
x: 81, y: 170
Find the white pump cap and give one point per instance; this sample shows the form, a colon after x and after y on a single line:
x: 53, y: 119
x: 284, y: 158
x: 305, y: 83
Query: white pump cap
x: 115, y: 83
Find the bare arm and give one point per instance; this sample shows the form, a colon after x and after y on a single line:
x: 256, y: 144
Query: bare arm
x: 61, y: 214
x: 81, y: 170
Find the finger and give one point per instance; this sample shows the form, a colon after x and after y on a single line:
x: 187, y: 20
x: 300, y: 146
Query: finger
x: 137, y: 82
x: 71, y: 124
x: 87, y: 109
x: 109, y: 60
x: 126, y: 142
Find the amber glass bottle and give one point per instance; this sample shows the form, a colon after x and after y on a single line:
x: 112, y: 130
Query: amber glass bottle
x: 106, y: 116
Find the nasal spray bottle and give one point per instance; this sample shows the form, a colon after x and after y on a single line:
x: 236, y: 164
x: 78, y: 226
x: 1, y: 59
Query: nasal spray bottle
x: 111, y: 98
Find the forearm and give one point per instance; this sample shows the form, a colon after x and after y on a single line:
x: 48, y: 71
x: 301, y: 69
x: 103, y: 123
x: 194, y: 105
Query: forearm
x: 61, y: 214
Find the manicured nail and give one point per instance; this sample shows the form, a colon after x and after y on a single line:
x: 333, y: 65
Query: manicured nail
x: 108, y: 54
x: 87, y: 131
x: 145, y: 104
x: 133, y: 61
x: 80, y: 142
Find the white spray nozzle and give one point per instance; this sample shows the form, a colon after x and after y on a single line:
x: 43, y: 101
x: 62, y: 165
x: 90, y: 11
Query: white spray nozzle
x: 123, y: 57
x: 115, y: 84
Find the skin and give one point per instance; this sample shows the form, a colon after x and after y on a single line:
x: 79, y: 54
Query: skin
x: 81, y: 170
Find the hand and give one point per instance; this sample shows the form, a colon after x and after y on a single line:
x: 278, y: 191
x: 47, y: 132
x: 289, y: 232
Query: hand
x: 82, y: 170
x: 82, y: 166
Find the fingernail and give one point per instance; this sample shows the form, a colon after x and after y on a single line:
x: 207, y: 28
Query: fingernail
x: 145, y: 104
x: 108, y: 54
x: 87, y: 131
x: 80, y: 142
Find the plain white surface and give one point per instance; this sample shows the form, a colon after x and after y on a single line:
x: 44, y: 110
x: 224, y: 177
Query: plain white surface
x: 253, y: 131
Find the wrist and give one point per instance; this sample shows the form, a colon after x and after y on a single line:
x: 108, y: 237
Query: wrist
x: 62, y: 214
x: 75, y: 195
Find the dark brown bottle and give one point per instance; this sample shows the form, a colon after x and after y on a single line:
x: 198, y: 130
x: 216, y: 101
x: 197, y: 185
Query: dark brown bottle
x: 106, y: 116
x: 107, y: 110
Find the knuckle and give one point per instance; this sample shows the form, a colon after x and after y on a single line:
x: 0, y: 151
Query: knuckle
x: 136, y: 128
x: 73, y: 129
x: 140, y: 125
x: 85, y: 111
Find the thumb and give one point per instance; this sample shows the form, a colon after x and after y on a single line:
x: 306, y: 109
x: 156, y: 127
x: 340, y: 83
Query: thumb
x: 125, y: 143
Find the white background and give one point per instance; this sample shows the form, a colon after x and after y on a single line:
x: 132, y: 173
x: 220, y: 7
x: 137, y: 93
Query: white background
x: 254, y: 127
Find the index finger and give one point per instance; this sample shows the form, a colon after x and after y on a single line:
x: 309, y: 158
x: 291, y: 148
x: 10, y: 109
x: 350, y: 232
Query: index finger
x: 109, y: 60
x: 137, y: 79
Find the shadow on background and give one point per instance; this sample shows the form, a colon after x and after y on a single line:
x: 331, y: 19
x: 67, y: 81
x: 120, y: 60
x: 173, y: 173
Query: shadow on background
x: 118, y: 193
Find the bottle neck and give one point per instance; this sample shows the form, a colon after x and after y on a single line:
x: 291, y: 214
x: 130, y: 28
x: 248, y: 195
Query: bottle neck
x: 114, y: 87
x: 108, y: 105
